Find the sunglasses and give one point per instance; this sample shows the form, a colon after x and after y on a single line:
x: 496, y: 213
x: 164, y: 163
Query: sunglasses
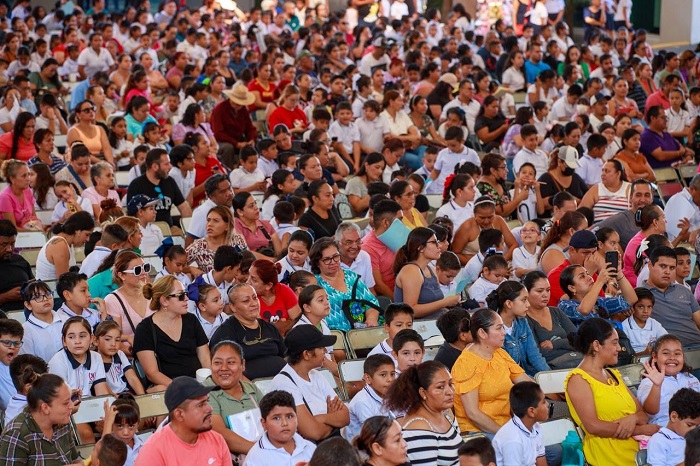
x: 181, y: 296
x: 88, y: 110
x: 139, y: 269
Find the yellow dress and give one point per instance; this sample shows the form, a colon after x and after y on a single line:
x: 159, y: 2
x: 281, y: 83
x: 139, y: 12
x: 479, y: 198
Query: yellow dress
x: 414, y: 220
x: 612, y: 402
x: 493, y: 378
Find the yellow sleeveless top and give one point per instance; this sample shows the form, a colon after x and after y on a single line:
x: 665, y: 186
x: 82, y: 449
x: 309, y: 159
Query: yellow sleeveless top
x: 612, y: 402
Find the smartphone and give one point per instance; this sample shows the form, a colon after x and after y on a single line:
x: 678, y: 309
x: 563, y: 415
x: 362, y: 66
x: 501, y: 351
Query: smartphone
x: 75, y: 396
x: 612, y: 258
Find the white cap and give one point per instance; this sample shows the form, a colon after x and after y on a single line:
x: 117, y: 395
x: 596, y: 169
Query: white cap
x: 569, y: 155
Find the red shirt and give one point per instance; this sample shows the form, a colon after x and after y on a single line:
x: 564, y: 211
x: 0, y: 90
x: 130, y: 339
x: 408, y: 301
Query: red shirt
x: 202, y: 172
x: 285, y: 299
x: 657, y: 98
x: 382, y: 258
x: 232, y: 126
x: 267, y: 94
x: 287, y: 117
x: 556, y: 291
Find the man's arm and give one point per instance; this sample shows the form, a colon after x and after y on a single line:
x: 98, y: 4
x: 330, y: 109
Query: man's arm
x: 185, y: 209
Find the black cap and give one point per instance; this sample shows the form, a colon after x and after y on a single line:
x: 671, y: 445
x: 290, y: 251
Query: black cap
x: 583, y: 239
x: 182, y: 389
x: 307, y: 337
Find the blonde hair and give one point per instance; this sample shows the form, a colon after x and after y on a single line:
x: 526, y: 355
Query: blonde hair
x: 158, y: 289
x: 9, y: 168
x: 130, y: 224
x: 121, y: 263
x: 288, y: 91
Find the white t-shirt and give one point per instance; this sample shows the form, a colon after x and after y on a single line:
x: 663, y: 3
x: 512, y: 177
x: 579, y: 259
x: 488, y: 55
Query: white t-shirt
x: 198, y: 227
x: 347, y: 135
x: 515, y: 444
x: 445, y: 164
x: 539, y: 15
x: 623, y: 11
x: 457, y: 214
x: 524, y: 260
x: 363, y: 267
x: 78, y: 376
x: 640, y: 337
x: 185, y: 183
x: 152, y: 239
x: 312, y: 393
x: 42, y: 339
x: 514, y: 79
x: 240, y: 178
x: 116, y: 379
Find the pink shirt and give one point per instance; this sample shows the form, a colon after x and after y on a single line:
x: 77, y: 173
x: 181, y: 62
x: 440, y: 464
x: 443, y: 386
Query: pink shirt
x: 164, y: 448
x: 25, y: 151
x: 10, y: 203
x: 382, y: 258
x: 115, y: 309
x: 630, y: 257
x: 95, y: 197
x: 255, y: 239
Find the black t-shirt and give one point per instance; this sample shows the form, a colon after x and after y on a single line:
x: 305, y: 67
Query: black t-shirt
x: 167, y: 191
x: 15, y: 271
x: 320, y: 227
x: 447, y: 354
x: 492, y: 124
x: 577, y: 189
x: 175, y: 358
x: 263, y: 347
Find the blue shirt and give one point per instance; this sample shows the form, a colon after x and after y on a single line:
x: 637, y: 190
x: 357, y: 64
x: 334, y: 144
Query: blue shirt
x: 521, y: 346
x: 665, y: 448
x: 7, y: 388
x: 135, y: 128
x: 611, y: 305
x: 532, y: 70
x: 78, y: 93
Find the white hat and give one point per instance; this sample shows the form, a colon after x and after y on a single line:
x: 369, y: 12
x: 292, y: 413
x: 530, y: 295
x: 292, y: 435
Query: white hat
x: 450, y: 78
x: 240, y: 95
x: 569, y: 155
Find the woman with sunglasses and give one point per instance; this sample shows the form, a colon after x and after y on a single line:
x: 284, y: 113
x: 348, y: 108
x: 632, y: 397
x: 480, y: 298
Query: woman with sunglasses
x: 171, y: 342
x: 346, y: 291
x: 127, y: 305
x: 93, y: 136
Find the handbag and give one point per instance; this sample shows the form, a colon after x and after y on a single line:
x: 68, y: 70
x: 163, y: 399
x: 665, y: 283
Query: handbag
x: 268, y: 250
x: 353, y: 307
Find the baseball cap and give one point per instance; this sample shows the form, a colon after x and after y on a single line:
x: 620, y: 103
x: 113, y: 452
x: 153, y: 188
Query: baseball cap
x: 450, y: 79
x: 599, y: 97
x: 583, y: 239
x: 379, y: 41
x: 305, y: 53
x: 306, y: 337
x: 182, y: 389
x: 569, y: 155
x: 139, y: 202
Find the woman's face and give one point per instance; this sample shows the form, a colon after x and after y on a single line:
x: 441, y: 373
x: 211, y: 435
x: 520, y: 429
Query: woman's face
x: 226, y: 367
x: 634, y: 143
x: 313, y: 170
x: 521, y: 304
x: 81, y: 165
x: 432, y: 249
x: 142, y: 85
x: 265, y: 72
x: 621, y: 88
x: 173, y: 302
x: 538, y: 295
x: 440, y: 394
x: 609, y: 175
x: 375, y: 170
x: 329, y: 264
x: 484, y: 217
x: 218, y: 84
x: 146, y: 61
x: 60, y: 408
x: 572, y: 138
x: 421, y: 107
x: 583, y: 281
x: 257, y: 283
x: 297, y: 253
x: 610, y: 244
x: 491, y: 110
x: 106, y: 179
x: 224, y: 58
x: 21, y: 177
x: 574, y: 54
x: 407, y: 199
x: 518, y: 60
x: 324, y: 199
x: 250, y: 210
x: 141, y: 112
x: 28, y: 132
x: 98, y: 96
x: 130, y: 279
x: 483, y: 85
x: 216, y: 225
x: 495, y: 335
x: 609, y: 349
x: 397, y: 104
x: 291, y: 101
x: 395, y: 447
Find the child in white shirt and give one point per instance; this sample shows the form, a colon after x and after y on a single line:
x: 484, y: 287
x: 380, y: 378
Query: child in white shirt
x: 667, y: 446
x: 248, y: 177
x: 494, y: 272
x: 525, y: 257
x: 379, y: 375
x: 640, y: 328
x: 455, y: 152
x: 143, y: 208
x: 679, y: 119
x: 396, y: 318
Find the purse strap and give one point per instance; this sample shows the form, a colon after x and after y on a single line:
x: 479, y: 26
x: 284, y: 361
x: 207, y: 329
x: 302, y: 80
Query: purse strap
x: 131, y: 322
x: 302, y: 395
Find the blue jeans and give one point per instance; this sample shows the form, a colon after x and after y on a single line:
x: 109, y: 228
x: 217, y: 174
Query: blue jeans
x: 413, y: 159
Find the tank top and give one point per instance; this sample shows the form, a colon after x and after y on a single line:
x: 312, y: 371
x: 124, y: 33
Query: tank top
x: 45, y: 270
x: 429, y: 290
x: 549, y: 248
x: 610, y: 203
x: 94, y: 144
x: 472, y: 247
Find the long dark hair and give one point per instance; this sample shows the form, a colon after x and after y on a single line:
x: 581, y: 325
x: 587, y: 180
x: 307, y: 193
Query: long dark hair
x: 277, y: 178
x: 190, y: 112
x: 113, y: 141
x: 403, y: 395
x: 409, y: 252
x: 570, y: 219
x: 20, y: 124
x: 44, y: 182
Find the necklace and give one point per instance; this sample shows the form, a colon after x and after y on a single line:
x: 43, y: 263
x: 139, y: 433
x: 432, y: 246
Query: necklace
x: 258, y: 339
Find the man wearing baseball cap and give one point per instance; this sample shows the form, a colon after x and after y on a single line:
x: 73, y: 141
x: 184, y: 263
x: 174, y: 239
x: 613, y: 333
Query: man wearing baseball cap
x: 582, y: 251
x: 188, y: 439
x: 376, y: 57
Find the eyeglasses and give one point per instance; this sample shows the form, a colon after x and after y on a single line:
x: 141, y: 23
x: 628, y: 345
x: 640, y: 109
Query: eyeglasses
x: 139, y: 269
x: 432, y: 241
x: 349, y: 243
x: 181, y: 296
x: 40, y: 298
x: 11, y: 343
x: 88, y: 110
x: 330, y: 260
x: 529, y: 230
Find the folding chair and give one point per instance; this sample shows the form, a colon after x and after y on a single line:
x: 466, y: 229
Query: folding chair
x: 156, y: 263
x: 631, y: 374
x: 667, y: 174
x: 430, y: 352
x: 30, y: 255
x: 552, y: 381
x: 152, y: 405
x: 554, y: 432
x: 667, y: 190
x: 687, y: 172
x: 468, y: 437
x: 264, y: 384
x: 16, y: 315
x: 351, y: 370
x: 44, y: 216
x: 60, y: 141
x: 30, y: 239
x: 86, y: 450
x: 692, y: 358
x: 340, y: 343
x: 362, y: 340
x: 164, y: 228
x: 122, y: 178
x: 185, y: 222
x: 427, y: 329
x: 330, y: 378
x: 435, y: 200
x: 79, y: 254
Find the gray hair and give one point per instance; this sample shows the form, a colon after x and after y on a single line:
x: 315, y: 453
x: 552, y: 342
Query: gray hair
x: 97, y: 169
x: 347, y: 226
x: 695, y: 183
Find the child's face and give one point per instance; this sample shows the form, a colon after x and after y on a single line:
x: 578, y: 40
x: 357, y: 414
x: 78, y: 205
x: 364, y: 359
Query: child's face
x: 472, y: 460
x: 80, y: 295
x: 669, y: 357
x: 527, y: 174
x: 345, y: 117
x: 250, y: 164
x: 676, y: 99
x: 429, y: 161
x: 77, y: 339
x: 280, y: 425
x: 400, y: 322
x: 683, y: 426
x: 642, y: 309
x: 147, y: 214
x: 454, y: 146
x: 495, y: 275
x: 410, y: 354
x: 322, y: 124
x: 370, y: 114
x: 125, y: 432
x: 297, y: 253
x: 453, y: 120
x: 176, y: 264
x: 695, y: 98
x: 319, y: 306
x: 542, y: 410
x: 233, y: 273
x: 8, y: 354
x: 445, y: 276
x: 213, y: 304
x: 242, y: 276
x: 682, y: 267
x: 41, y: 303
x: 140, y: 157
x: 317, y: 98
x: 530, y: 142
x: 108, y: 344
x: 530, y: 233
x: 270, y: 153
x: 382, y: 379
x: 520, y: 305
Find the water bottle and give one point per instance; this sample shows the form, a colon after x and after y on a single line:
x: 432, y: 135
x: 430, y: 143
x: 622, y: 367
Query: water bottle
x: 572, y: 450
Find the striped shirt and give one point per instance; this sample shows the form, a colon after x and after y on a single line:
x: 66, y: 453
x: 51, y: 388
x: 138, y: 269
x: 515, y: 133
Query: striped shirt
x: 433, y: 448
x: 610, y: 203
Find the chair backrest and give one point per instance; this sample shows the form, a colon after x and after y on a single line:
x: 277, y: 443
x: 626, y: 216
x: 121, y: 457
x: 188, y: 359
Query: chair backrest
x: 552, y: 381
x: 340, y: 343
x: 152, y: 405
x: 666, y: 190
x: 156, y: 263
x: 631, y: 374
x: 122, y: 178
x: 554, y: 432
x: 30, y: 239
x: 264, y: 384
x: 44, y: 216
x: 185, y: 221
x: 164, y: 228
x: 641, y: 458
x: 30, y: 255
x: 86, y: 450
x: 666, y: 174
x: 91, y: 409
x: 351, y: 370
x: 430, y: 352
x: 364, y: 339
x: 16, y: 315
x: 435, y: 200
x: 427, y: 329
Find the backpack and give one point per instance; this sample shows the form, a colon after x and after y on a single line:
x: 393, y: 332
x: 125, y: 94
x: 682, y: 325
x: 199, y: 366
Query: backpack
x: 343, y: 205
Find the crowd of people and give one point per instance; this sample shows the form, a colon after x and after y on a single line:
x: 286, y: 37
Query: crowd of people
x: 226, y: 193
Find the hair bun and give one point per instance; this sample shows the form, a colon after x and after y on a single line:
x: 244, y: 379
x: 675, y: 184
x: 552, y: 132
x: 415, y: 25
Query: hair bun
x: 492, y: 301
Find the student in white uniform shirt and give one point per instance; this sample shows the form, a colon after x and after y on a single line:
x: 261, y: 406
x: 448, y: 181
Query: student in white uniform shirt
x: 397, y: 317
x: 460, y: 190
x: 525, y: 257
x: 284, y: 216
x: 533, y: 205
x: 281, y: 444
x: 183, y: 172
x: 24, y: 370
x: 267, y: 162
x: 42, y: 330
x: 247, y: 177
x: 113, y: 236
x: 379, y: 373
x: 352, y: 257
x: 668, y: 445
x: 174, y: 261
x: 642, y: 330
x: 208, y: 306
x: 297, y: 257
x: 530, y: 152
x: 564, y: 109
x: 227, y: 265
x: 119, y: 374
x: 143, y: 209
x: 455, y: 152
x: 315, y: 307
x: 119, y: 419
x: 306, y: 348
x: 73, y: 288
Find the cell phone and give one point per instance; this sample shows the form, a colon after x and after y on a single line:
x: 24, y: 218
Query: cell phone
x: 75, y: 396
x: 612, y: 258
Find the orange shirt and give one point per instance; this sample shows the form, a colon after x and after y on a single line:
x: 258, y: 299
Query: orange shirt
x: 164, y: 448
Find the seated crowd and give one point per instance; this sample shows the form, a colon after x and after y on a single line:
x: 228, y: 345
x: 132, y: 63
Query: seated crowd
x: 227, y: 195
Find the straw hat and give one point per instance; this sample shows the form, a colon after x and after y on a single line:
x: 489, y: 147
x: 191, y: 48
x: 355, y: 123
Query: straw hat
x: 239, y: 95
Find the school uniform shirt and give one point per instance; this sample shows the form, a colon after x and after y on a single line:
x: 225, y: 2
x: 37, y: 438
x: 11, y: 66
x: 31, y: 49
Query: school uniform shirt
x: 16, y: 405
x: 152, y: 239
x: 362, y: 265
x: 515, y: 445
x: 311, y: 393
x: 284, y: 228
x: 115, y: 372
x: 669, y: 387
x: 210, y: 327
x: 347, y: 135
x: 677, y: 121
x: 481, y: 289
x: 445, y: 164
x: 222, y: 287
x: 42, y: 339
x: 91, y: 315
x: 267, y: 167
x: 590, y: 169
x: 372, y: 132
x: 365, y: 404
x: 60, y: 209
x: 93, y: 260
x: 186, y: 182
x: 641, y: 337
x: 288, y: 268
x: 7, y: 388
x: 96, y: 61
x: 523, y: 259
x: 241, y: 178
x: 264, y: 453
x: 133, y: 452
x: 183, y: 278
x: 385, y: 348
x: 457, y: 214
x: 79, y: 376
x: 538, y: 158
x: 665, y: 448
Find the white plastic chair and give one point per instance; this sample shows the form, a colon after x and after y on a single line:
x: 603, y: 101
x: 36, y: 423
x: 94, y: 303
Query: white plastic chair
x: 554, y: 432
x: 428, y: 330
x: 264, y: 385
x: 351, y: 370
x: 552, y: 381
